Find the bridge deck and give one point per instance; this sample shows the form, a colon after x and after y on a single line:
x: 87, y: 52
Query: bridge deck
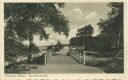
x: 60, y: 63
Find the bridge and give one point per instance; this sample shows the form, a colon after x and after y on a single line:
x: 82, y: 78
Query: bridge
x: 60, y: 62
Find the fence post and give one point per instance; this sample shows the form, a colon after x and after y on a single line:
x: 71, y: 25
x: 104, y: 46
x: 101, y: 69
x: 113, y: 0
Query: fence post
x: 45, y: 57
x: 84, y: 58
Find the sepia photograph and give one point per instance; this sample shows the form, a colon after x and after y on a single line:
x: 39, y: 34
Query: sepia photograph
x: 64, y: 38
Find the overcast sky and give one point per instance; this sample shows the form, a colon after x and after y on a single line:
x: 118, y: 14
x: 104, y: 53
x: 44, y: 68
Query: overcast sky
x: 80, y: 15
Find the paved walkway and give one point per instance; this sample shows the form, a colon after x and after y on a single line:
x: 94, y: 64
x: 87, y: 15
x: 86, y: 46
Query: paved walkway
x: 60, y: 63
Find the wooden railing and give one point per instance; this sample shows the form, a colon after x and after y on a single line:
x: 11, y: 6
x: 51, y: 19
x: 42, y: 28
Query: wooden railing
x: 78, y: 55
x: 47, y: 55
x: 43, y: 56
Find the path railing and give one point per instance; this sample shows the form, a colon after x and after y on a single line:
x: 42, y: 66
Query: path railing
x: 47, y: 55
x: 78, y: 55
x: 41, y: 57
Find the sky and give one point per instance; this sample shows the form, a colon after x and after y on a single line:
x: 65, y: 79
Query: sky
x: 79, y: 15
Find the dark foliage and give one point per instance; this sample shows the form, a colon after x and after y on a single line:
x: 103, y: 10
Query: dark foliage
x: 24, y: 20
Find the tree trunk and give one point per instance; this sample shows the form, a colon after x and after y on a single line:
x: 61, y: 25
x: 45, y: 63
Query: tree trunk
x: 118, y: 42
x: 30, y: 48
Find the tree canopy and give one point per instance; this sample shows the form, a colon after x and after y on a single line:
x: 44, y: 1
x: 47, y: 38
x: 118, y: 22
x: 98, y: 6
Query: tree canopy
x: 27, y: 19
x: 113, y: 26
x: 111, y: 36
x: 83, y: 37
x: 85, y: 31
x: 24, y: 20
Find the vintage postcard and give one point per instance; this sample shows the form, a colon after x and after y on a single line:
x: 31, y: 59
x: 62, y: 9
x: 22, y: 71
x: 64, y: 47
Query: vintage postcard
x: 63, y: 40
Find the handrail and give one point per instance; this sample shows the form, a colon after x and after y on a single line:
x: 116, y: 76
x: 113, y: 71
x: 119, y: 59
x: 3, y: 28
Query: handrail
x: 80, y: 57
x: 47, y: 54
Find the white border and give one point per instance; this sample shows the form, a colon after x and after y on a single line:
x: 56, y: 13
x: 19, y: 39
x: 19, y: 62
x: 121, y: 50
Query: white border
x: 96, y: 76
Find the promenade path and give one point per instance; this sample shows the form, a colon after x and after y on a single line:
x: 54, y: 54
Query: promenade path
x: 61, y: 63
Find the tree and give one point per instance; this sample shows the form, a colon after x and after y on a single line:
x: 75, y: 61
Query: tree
x: 102, y: 44
x: 83, y: 38
x: 85, y: 31
x: 113, y: 26
x: 13, y: 50
x: 73, y: 41
x: 25, y: 20
x: 59, y: 46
